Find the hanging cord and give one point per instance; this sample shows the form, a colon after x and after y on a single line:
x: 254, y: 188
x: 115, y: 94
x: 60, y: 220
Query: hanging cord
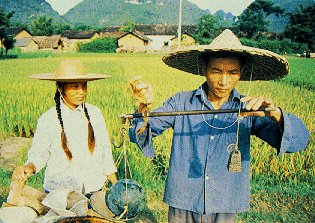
x: 234, y: 147
x: 122, y: 155
x: 239, y: 118
x: 250, y: 80
x: 124, y: 129
x: 204, y: 119
x: 64, y: 100
x: 203, y: 105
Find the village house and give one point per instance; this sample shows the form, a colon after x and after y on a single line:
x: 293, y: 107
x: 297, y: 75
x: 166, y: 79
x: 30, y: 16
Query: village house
x: 26, y: 44
x: 133, y: 42
x: 49, y: 42
x: 78, y: 36
x: 17, y: 33
x: 186, y: 40
x: 161, y: 36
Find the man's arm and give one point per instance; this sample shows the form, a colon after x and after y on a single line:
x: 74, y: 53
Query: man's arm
x: 145, y: 128
x: 283, y: 131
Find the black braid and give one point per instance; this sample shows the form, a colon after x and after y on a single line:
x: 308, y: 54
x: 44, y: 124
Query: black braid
x: 63, y: 134
x: 91, y: 138
x: 57, y: 101
x: 86, y: 113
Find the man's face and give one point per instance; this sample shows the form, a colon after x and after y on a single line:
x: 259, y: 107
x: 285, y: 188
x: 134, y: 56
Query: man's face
x: 222, y: 75
x: 74, y: 93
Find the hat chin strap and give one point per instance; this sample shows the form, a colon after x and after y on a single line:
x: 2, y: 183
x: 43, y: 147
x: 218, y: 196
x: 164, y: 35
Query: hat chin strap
x: 64, y: 100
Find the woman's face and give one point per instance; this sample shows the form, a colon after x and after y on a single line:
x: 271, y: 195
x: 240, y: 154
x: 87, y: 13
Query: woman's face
x: 74, y: 93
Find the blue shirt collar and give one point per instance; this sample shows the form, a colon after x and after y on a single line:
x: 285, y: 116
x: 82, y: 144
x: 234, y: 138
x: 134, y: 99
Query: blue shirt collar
x: 235, y: 95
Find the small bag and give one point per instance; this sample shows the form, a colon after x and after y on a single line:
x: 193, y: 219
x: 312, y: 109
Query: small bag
x: 23, y: 195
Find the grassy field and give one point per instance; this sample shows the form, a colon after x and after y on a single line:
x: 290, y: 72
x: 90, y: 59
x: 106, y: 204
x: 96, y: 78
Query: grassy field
x: 282, y: 187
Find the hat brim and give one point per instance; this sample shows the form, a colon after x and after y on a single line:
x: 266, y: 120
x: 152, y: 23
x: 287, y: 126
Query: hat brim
x: 259, y: 64
x: 79, y: 78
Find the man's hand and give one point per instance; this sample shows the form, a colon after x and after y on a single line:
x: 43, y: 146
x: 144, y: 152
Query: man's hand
x: 254, y: 103
x: 22, y: 173
x: 142, y: 93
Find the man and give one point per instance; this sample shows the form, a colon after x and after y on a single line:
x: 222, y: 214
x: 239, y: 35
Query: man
x: 208, y: 178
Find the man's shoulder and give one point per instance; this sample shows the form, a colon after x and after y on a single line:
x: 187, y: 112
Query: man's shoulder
x: 184, y: 95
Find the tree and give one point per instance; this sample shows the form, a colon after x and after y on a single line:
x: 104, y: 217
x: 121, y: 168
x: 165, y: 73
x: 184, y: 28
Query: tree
x: 60, y: 28
x: 42, y: 26
x: 208, y: 28
x: 128, y: 26
x: 4, y: 24
x: 82, y: 27
x: 253, y: 19
x: 301, y: 27
x: 8, y: 43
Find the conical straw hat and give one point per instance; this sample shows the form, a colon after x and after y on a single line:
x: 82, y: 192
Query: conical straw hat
x: 262, y: 64
x: 70, y: 71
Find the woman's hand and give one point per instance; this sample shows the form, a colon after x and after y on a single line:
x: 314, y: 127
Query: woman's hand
x: 113, y: 178
x: 22, y: 173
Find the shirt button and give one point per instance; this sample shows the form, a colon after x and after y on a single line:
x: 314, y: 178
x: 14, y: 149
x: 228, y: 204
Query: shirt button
x: 211, y: 137
x: 207, y: 177
x: 215, y: 116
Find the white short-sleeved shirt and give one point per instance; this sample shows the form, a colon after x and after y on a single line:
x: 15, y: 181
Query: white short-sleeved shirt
x: 85, y: 170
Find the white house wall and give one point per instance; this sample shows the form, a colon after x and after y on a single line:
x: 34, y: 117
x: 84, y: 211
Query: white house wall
x: 157, y: 42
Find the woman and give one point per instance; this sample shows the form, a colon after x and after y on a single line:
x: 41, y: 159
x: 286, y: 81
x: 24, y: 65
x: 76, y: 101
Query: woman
x: 71, y: 138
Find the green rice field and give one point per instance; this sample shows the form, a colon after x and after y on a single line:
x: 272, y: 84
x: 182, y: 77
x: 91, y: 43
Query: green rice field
x: 282, y: 188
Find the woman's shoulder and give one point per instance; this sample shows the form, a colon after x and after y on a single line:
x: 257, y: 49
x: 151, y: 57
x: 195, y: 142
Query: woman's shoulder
x: 50, y: 112
x: 93, y: 109
x: 48, y: 116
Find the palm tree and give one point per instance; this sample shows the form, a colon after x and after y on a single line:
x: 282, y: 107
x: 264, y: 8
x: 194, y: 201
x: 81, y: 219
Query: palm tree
x: 42, y: 26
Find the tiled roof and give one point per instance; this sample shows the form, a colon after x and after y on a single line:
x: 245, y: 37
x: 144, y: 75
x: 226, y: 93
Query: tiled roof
x: 13, y: 31
x: 112, y: 34
x: 138, y: 34
x: 79, y: 34
x: 47, y: 41
x: 161, y: 29
x: 157, y: 29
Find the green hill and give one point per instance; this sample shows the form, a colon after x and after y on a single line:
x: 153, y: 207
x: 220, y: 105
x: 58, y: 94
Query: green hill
x: 116, y: 12
x: 25, y: 11
x: 227, y: 18
x: 290, y: 6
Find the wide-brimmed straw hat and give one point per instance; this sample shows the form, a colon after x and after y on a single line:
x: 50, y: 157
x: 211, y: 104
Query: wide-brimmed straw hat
x: 259, y: 64
x: 70, y: 71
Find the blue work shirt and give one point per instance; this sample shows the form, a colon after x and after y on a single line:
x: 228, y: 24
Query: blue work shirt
x: 198, y: 178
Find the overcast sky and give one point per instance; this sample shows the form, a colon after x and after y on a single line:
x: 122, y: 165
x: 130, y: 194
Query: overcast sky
x: 233, y: 6
x: 62, y: 6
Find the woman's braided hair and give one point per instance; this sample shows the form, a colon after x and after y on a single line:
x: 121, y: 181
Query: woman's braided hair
x: 91, y: 138
x: 64, y: 142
